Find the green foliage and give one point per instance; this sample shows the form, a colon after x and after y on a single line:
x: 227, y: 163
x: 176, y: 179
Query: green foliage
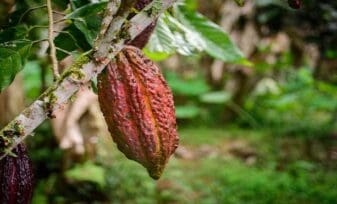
x: 218, y: 177
x: 13, y: 33
x: 160, y: 45
x: 17, y: 39
x: 10, y: 63
x: 87, y: 20
x: 256, y: 185
x: 290, y: 102
x: 304, y: 106
x: 214, y: 40
x: 187, y: 111
x: 87, y: 10
x: 184, y: 31
x: 275, y: 15
x: 89, y: 26
x: 87, y: 172
x: 81, y: 33
x: 217, y: 97
x: 70, y: 40
x: 13, y: 53
x: 32, y: 81
x: 188, y: 32
x: 172, y: 36
x: 187, y: 87
x: 119, y: 184
x: 192, y: 97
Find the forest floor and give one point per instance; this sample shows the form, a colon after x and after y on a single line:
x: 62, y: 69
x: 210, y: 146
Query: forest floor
x: 213, y: 166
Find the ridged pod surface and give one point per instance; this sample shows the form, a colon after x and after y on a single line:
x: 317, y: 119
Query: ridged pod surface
x: 16, y: 178
x: 138, y: 107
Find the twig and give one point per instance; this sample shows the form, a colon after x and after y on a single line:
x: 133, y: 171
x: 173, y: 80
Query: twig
x: 60, y: 20
x: 38, y: 41
x: 111, y: 10
x: 52, y: 53
x: 70, y: 35
x: 59, y: 13
x: 62, y: 31
x: 34, y: 27
x: 64, y: 51
x: 30, y: 10
x: 70, y: 82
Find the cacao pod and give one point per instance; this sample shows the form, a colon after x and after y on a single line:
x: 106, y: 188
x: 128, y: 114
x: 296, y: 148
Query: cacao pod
x: 138, y: 107
x: 140, y: 4
x: 295, y: 4
x: 16, y: 178
x: 141, y: 39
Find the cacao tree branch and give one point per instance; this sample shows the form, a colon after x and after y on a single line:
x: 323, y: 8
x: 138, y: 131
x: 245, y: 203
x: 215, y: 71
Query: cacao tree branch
x: 109, y: 31
x: 81, y: 72
x: 110, y: 11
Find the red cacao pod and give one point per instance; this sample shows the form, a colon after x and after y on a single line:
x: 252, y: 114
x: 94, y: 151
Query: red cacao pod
x: 295, y: 4
x: 138, y: 107
x: 140, y: 4
x: 141, y: 39
x: 16, y: 178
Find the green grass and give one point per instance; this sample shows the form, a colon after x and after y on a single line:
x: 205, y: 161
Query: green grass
x: 215, y: 180
x: 219, y: 178
x: 200, y: 136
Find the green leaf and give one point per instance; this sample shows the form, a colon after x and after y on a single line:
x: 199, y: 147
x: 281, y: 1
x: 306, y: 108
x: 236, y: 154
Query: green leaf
x: 187, y: 111
x: 215, y: 41
x: 186, y: 87
x: 191, y: 4
x: 87, y: 172
x: 240, y: 2
x: 61, y: 4
x: 187, y: 41
x: 89, y: 26
x: 87, y: 20
x: 94, y: 85
x: 160, y: 45
x: 10, y: 65
x: 13, y: 33
x: 23, y: 47
x: 217, y: 97
x: 169, y: 37
x: 70, y: 40
x: 194, y: 33
x: 88, y: 34
x: 87, y: 10
x: 155, y: 55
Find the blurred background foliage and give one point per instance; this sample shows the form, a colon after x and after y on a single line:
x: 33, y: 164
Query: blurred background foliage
x: 255, y: 90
